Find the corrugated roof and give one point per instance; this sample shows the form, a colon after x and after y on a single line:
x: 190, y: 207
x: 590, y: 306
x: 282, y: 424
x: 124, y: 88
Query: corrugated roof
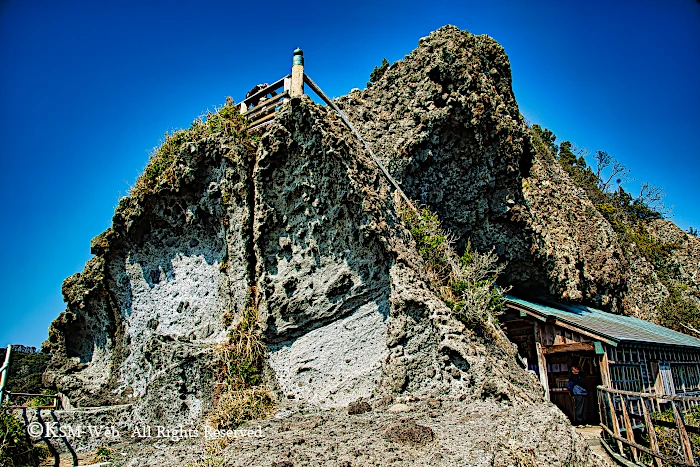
x: 616, y: 327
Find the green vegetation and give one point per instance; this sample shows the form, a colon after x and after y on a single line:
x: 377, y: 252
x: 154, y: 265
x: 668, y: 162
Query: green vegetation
x: 43, y: 401
x: 241, y: 361
x: 629, y: 217
x: 669, y: 444
x: 16, y: 448
x: 26, y: 369
x: 467, y: 283
x: 226, y: 120
x: 544, y: 141
x: 104, y: 453
x: 677, y: 310
x: 210, y: 461
x: 378, y: 72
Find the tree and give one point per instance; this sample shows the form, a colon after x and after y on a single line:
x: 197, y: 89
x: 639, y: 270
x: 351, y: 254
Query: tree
x: 618, y: 172
x: 650, y: 203
x: 566, y: 155
x: 378, y: 72
x: 546, y: 139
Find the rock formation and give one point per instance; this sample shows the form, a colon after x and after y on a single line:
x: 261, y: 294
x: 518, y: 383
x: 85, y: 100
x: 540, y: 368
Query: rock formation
x: 302, y: 218
x: 445, y: 122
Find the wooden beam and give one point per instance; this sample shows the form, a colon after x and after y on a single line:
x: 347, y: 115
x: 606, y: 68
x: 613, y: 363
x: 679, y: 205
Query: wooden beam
x: 616, y: 427
x: 683, y: 434
x: 584, y: 332
x: 527, y: 312
x: 560, y: 323
x: 670, y: 460
x: 572, y: 347
x: 628, y: 427
x: 542, y: 364
x: 541, y: 360
x: 263, y: 92
x: 265, y: 105
x: 651, y: 432
x: 263, y: 119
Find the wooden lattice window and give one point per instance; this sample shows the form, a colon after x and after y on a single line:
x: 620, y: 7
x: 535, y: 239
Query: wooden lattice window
x: 686, y: 377
x: 626, y: 377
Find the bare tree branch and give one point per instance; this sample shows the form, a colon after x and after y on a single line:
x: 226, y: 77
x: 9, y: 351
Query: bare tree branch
x: 691, y: 328
x: 618, y: 172
x: 652, y: 197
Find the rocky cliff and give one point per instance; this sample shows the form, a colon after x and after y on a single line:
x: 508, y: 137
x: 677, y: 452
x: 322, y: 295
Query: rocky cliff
x: 300, y: 219
x: 445, y: 122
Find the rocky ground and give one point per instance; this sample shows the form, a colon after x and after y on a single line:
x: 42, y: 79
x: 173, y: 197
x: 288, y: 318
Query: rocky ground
x: 405, y: 432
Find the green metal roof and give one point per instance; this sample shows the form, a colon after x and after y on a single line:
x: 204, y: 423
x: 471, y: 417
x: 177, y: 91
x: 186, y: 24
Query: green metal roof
x: 615, y: 327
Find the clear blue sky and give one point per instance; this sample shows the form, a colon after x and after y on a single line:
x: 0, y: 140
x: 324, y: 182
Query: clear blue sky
x: 88, y: 88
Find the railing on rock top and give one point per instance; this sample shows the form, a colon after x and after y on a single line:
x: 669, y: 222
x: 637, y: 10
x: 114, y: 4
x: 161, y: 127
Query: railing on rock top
x: 259, y: 108
x: 651, y: 429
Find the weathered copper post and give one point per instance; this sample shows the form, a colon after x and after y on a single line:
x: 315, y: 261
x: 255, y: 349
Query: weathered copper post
x: 297, y: 74
x: 4, y: 371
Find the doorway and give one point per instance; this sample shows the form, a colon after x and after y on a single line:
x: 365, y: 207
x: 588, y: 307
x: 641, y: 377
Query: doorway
x: 559, y: 371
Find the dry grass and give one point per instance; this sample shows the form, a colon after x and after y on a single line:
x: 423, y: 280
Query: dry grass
x: 236, y: 406
x: 241, y: 363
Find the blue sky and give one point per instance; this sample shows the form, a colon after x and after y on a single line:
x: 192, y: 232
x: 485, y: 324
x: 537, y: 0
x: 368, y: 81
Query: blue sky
x: 87, y: 89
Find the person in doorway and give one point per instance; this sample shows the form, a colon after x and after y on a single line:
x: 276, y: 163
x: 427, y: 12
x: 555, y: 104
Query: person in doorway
x: 579, y: 393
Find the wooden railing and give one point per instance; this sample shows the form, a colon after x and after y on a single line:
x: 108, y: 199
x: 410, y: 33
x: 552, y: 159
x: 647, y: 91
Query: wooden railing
x: 651, y: 429
x: 259, y: 108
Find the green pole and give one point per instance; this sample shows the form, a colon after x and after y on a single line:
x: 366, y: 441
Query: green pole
x: 4, y: 370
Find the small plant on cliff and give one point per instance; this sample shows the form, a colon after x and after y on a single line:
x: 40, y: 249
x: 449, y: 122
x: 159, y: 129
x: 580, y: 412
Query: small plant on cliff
x: 378, y: 72
x: 208, y: 462
x: 241, y: 363
x: 467, y: 283
x: 104, y: 453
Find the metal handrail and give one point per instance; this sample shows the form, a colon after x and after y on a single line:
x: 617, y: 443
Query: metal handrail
x: 3, y: 373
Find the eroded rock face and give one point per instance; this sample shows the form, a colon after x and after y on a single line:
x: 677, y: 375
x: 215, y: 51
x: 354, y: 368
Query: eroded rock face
x: 572, y: 244
x: 446, y: 124
x: 311, y: 223
x: 142, y: 316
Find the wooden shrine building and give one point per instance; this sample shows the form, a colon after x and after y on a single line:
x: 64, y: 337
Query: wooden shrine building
x: 618, y: 352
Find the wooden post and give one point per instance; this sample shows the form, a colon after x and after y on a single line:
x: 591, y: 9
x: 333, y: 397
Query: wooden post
x: 601, y: 405
x: 542, y: 364
x: 605, y: 369
x: 616, y: 427
x: 683, y: 434
x: 649, y: 424
x: 297, y: 85
x: 628, y: 427
x: 541, y: 360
